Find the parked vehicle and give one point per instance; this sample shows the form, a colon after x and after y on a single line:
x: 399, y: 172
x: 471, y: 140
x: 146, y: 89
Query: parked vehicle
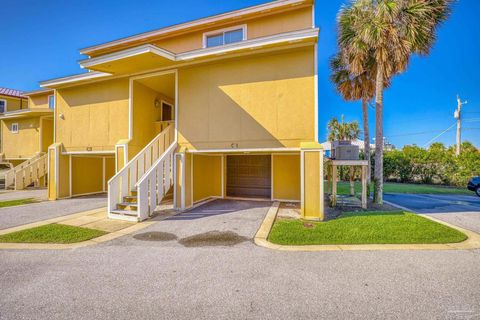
x: 474, y: 185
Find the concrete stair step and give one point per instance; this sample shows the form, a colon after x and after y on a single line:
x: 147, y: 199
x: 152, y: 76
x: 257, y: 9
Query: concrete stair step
x: 130, y: 213
x: 131, y: 206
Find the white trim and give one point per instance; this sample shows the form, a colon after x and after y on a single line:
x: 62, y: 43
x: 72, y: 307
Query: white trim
x: 191, y: 180
x: 267, y: 150
x: 302, y: 182
x: 223, y: 176
x: 200, y: 22
x: 128, y: 53
x: 174, y: 173
x: 187, y: 63
x: 87, y: 153
x: 182, y: 205
x: 315, y: 82
x: 5, y: 105
x: 271, y: 176
x: 292, y: 36
x: 313, y: 15
x: 242, y: 27
x: 176, y: 106
x: 103, y: 174
x: 14, y: 131
x: 130, y: 108
x: 70, y: 173
x: 74, y: 78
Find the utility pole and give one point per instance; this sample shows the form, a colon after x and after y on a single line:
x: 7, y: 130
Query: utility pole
x: 457, y: 116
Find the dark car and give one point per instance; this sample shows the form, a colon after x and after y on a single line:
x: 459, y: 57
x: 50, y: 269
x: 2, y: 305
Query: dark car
x: 474, y: 185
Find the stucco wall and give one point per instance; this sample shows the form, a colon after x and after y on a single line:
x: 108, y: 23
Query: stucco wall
x: 24, y: 144
x: 254, y: 102
x: 14, y: 104
x: 207, y: 177
x: 286, y: 177
x: 39, y: 100
x: 95, y: 115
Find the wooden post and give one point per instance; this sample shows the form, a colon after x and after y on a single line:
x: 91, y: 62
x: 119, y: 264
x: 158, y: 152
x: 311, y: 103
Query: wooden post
x: 334, y: 185
x: 352, y: 183
x: 364, y: 187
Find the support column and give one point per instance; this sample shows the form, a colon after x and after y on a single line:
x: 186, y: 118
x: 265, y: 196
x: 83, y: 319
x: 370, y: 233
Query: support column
x: 312, y: 183
x: 58, y: 173
x: 121, y: 154
x: 183, y: 181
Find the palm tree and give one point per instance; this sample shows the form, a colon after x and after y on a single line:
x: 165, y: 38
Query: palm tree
x: 343, y: 130
x: 354, y: 88
x: 390, y: 31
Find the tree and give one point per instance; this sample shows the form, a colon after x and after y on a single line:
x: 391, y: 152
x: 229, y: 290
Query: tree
x: 390, y: 31
x: 354, y: 88
x: 343, y: 130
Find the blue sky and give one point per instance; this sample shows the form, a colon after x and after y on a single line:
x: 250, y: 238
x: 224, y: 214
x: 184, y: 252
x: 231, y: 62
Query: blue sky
x: 42, y: 39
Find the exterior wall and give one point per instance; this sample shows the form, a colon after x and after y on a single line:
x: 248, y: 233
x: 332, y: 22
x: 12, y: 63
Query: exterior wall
x: 14, y: 104
x: 90, y: 174
x: 95, y: 115
x: 207, y: 177
x: 144, y: 116
x: 46, y: 133
x: 286, y: 177
x: 282, y: 22
x: 39, y: 101
x: 255, y: 102
x: 24, y: 144
x: 312, y: 171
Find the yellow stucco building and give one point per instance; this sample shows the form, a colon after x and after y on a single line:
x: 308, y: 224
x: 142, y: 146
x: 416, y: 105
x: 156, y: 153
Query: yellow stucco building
x: 26, y: 133
x: 224, y: 106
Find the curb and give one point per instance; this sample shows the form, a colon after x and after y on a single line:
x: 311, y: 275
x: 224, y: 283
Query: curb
x: 61, y: 246
x: 261, y: 239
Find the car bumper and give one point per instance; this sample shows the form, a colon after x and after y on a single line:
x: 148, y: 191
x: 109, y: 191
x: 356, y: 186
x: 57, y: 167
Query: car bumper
x: 471, y: 187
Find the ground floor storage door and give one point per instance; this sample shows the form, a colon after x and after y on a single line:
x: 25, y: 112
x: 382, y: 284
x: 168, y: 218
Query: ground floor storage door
x: 249, y: 176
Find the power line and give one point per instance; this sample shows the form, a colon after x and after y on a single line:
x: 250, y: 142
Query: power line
x: 438, y: 136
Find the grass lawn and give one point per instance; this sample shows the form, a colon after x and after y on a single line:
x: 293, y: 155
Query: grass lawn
x: 52, y: 233
x: 17, y: 202
x: 393, y: 227
x: 388, y: 187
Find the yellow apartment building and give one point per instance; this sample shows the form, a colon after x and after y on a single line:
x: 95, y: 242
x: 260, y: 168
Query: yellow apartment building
x: 221, y: 107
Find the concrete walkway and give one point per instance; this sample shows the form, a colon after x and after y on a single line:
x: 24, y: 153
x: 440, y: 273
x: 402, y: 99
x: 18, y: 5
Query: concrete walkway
x: 39, y: 194
x: 19, y: 215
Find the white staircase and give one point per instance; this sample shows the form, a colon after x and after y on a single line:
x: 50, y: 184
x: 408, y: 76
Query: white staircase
x: 27, y: 173
x: 139, y: 187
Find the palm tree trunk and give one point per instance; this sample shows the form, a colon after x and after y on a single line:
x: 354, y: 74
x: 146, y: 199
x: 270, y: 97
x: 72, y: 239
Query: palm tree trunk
x: 378, y: 190
x: 366, y: 137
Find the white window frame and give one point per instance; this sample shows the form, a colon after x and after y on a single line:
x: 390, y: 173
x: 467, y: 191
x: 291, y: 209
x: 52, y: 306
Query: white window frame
x: 51, y: 95
x: 15, y: 125
x: 5, y: 102
x: 222, y: 31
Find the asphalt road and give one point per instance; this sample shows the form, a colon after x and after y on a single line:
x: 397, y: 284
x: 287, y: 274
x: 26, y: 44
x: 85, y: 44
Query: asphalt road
x: 175, y: 270
x: 429, y: 203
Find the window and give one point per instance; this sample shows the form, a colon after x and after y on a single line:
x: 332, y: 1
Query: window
x: 51, y: 101
x: 3, y: 106
x: 14, y: 127
x: 225, y: 36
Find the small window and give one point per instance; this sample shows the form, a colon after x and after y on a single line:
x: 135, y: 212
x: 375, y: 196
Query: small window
x: 51, y: 101
x: 14, y: 127
x: 3, y: 106
x: 226, y: 36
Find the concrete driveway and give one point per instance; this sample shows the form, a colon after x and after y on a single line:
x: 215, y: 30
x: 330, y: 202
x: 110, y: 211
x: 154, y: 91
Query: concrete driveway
x: 175, y: 274
x: 15, y: 216
x: 39, y: 194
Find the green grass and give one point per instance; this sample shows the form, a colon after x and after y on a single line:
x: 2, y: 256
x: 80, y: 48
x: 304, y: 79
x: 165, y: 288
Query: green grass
x: 52, y: 233
x: 393, y: 227
x: 388, y: 187
x: 17, y: 202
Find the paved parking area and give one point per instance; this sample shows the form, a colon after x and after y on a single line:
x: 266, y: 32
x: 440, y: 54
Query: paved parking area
x: 168, y: 271
x: 430, y: 203
x: 15, y: 216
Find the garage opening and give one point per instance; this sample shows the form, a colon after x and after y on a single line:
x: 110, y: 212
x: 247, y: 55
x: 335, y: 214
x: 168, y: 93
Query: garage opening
x: 249, y: 176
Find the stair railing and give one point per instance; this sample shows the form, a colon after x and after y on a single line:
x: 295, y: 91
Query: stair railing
x: 10, y: 174
x: 125, y: 180
x: 31, y: 172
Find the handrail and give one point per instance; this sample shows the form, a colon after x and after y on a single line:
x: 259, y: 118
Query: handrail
x: 31, y: 172
x: 154, y: 184
x: 123, y: 182
x: 10, y: 174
